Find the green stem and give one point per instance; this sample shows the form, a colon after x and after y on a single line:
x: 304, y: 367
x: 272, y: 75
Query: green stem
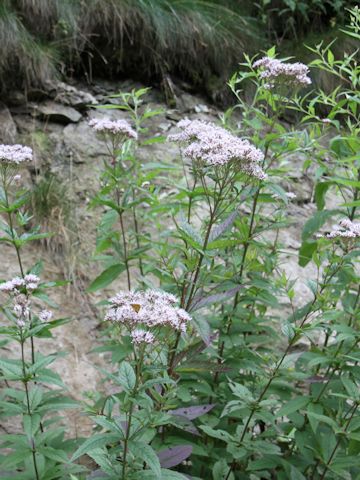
x: 322, y: 391
x: 125, y: 249
x: 279, y: 364
x: 12, y: 230
x: 247, y: 242
x: 17, y: 249
x: 131, y: 411
x: 120, y: 213
x: 356, y: 195
x: 137, y: 234
x: 332, y: 455
x: 194, y: 281
x: 25, y: 381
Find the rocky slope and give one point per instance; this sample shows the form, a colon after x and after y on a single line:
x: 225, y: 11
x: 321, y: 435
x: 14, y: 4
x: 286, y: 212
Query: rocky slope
x: 57, y: 127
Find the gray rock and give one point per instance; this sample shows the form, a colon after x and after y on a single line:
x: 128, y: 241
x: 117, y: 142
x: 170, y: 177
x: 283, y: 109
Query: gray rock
x: 55, y: 112
x: 82, y: 141
x: 72, y: 96
x: 201, y: 108
x: 8, y: 129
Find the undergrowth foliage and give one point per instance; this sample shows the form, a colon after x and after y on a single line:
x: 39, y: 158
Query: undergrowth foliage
x: 41, y: 39
x: 195, y: 40
x: 217, y: 370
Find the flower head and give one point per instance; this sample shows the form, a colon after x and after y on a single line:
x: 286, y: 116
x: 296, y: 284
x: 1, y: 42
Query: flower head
x: 151, y: 308
x: 141, y: 336
x: 15, y: 155
x: 45, y: 315
x: 345, y: 229
x: 276, y: 72
x: 208, y: 144
x: 12, y: 286
x: 113, y: 127
x: 30, y: 282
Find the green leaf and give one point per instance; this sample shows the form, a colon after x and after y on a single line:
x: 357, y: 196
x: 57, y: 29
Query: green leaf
x: 35, y: 397
x: 165, y: 475
x: 219, y: 434
x: 316, y: 222
x: 11, y: 369
x: 127, y: 377
x: 58, y: 403
x: 144, y: 452
x: 57, y: 455
x: 220, y: 470
x: 320, y: 192
x: 293, y: 406
x: 306, y: 252
x: 323, y: 418
x: 172, y: 475
x: 288, y: 330
x: 16, y: 458
x: 106, y: 277
x: 96, y: 441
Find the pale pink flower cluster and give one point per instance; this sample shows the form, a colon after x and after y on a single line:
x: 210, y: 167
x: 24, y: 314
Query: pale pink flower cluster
x: 21, y: 309
x: 45, y: 315
x: 151, y: 308
x: 20, y: 290
x: 113, y: 127
x: 214, y: 146
x: 141, y: 336
x: 30, y: 282
x: 276, y: 72
x: 15, y: 155
x: 345, y: 229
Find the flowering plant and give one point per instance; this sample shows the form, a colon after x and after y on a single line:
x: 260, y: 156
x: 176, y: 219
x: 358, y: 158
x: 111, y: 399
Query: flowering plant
x: 221, y: 366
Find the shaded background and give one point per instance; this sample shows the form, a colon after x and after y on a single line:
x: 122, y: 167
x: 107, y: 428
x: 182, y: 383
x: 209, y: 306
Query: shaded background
x: 155, y: 41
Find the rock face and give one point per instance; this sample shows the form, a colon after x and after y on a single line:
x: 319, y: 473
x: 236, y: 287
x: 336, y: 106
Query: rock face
x: 74, y: 97
x: 54, y: 112
x: 8, y: 130
x: 75, y: 153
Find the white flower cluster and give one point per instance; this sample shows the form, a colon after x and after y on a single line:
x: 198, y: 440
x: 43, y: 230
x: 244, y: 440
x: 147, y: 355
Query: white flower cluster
x: 113, y: 127
x: 21, y: 299
x: 215, y: 146
x: 149, y: 309
x: 276, y: 72
x: 30, y: 282
x: 345, y: 229
x: 15, y: 155
x: 141, y: 336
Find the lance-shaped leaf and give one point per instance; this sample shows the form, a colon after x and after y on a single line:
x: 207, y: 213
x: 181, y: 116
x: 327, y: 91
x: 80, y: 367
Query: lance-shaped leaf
x: 106, y: 277
x: 183, y: 423
x: 143, y: 451
x: 218, y: 230
x: 193, y: 350
x: 193, y: 412
x: 202, y: 327
x: 174, y: 455
x: 215, y: 298
x: 190, y: 235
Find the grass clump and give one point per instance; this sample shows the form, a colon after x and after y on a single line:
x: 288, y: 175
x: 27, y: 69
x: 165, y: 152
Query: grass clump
x: 192, y: 39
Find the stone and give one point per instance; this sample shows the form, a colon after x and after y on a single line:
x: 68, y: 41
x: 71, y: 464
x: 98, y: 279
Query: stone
x: 201, y: 108
x: 56, y: 112
x: 74, y: 97
x: 83, y: 143
x: 8, y: 130
x: 174, y: 115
